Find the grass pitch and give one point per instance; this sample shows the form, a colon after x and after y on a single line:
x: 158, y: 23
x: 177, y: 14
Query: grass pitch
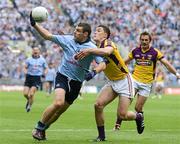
x: 77, y: 124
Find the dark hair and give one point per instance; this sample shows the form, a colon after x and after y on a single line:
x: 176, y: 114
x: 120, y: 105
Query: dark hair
x: 106, y: 30
x: 86, y: 28
x: 146, y: 33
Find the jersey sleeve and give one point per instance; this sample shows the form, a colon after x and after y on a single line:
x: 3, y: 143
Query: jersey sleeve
x: 159, y: 54
x: 130, y: 55
x: 99, y: 59
x: 60, y: 39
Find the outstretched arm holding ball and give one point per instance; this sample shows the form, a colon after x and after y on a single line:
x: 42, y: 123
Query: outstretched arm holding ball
x: 42, y: 31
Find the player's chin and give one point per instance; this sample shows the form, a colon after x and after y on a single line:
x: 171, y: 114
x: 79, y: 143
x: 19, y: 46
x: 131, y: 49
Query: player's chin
x: 76, y: 38
x: 95, y: 38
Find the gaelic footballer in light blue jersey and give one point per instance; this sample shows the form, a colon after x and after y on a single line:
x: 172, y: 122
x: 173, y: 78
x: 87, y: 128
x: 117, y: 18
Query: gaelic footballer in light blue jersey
x: 34, y: 68
x: 71, y: 73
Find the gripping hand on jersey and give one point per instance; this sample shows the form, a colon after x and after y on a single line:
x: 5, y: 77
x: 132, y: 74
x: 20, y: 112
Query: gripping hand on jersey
x: 90, y: 75
x: 82, y: 54
x: 32, y: 21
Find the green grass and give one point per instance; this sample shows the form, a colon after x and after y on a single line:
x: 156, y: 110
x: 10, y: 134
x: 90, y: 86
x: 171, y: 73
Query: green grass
x: 77, y: 125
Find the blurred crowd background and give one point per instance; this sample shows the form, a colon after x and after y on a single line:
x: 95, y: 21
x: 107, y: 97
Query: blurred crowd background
x: 126, y: 19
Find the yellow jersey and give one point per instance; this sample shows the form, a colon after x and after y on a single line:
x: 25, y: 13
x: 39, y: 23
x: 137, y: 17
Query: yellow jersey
x: 145, y: 64
x: 115, y: 65
x: 160, y: 77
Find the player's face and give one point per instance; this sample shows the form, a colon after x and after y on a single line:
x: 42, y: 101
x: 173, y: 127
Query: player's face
x: 36, y: 52
x: 79, y: 34
x: 145, y: 40
x: 99, y: 34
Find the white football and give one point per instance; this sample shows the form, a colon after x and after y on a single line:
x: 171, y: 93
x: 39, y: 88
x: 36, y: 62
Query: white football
x: 40, y: 14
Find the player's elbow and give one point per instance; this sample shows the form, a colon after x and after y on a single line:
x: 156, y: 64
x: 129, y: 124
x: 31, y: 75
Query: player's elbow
x: 47, y: 36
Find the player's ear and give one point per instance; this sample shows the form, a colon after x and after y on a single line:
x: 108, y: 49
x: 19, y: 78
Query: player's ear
x: 86, y: 34
x: 105, y: 35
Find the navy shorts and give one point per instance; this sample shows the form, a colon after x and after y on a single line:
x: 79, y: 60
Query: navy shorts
x: 32, y: 81
x: 71, y: 87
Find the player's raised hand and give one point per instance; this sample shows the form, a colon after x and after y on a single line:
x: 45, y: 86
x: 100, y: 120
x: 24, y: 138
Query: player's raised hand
x: 32, y: 21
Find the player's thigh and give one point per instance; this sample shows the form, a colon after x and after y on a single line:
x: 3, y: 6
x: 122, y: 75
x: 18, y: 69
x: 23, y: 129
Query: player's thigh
x: 59, y: 95
x: 123, y: 104
x: 26, y: 90
x: 33, y: 90
x: 47, y: 84
x: 106, y: 95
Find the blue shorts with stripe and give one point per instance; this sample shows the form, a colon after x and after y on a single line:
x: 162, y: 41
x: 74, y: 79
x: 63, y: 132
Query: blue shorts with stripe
x: 32, y: 81
x: 71, y: 87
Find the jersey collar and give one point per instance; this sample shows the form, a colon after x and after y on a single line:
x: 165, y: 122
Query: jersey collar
x: 88, y: 39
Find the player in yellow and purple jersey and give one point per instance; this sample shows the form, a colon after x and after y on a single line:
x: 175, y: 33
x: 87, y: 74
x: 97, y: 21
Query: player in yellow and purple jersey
x: 119, y: 81
x: 145, y: 57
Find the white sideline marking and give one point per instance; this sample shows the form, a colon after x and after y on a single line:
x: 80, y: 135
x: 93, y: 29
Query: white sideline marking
x: 79, y: 130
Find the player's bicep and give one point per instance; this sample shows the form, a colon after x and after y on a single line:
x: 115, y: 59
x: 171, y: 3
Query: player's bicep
x: 164, y: 61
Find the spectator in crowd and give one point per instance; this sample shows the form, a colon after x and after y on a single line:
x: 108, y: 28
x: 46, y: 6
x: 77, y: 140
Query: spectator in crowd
x: 125, y: 18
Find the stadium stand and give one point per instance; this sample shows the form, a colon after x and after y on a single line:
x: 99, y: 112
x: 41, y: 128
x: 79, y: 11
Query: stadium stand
x: 125, y: 18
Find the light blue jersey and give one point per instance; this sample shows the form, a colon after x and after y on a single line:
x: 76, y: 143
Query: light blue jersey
x: 50, y: 76
x: 69, y: 66
x: 36, y: 66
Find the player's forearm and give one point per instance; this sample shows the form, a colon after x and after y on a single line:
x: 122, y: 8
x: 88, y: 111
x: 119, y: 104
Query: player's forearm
x: 43, y: 32
x: 101, y: 52
x: 170, y: 68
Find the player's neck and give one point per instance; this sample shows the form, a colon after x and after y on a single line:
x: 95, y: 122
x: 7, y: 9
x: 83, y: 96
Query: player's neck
x: 98, y: 43
x: 101, y: 41
x: 144, y: 49
x: 85, y: 40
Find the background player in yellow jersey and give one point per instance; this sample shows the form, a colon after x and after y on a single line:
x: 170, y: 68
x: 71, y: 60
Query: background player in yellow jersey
x: 119, y: 81
x: 146, y: 58
x: 159, y: 84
